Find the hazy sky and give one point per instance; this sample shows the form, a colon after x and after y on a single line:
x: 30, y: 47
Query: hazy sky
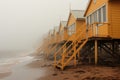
x: 23, y: 22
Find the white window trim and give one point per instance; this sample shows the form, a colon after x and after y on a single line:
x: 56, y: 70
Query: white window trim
x: 95, y: 1
x: 69, y: 29
x: 105, y: 4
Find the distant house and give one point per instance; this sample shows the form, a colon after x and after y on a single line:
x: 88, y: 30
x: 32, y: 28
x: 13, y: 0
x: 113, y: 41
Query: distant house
x: 56, y: 35
x: 63, y: 31
x: 75, y: 21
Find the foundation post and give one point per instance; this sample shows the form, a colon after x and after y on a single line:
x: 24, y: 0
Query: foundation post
x: 75, y: 55
x: 96, y: 52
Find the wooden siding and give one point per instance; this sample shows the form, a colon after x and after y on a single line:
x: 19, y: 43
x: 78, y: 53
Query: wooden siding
x: 114, y: 7
x: 103, y: 30
x: 71, y: 20
x: 61, y: 35
x: 79, y: 24
x: 94, y: 6
x: 57, y: 38
x: 65, y: 34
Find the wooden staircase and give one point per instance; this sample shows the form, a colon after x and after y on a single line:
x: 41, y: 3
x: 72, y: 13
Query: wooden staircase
x: 70, y: 52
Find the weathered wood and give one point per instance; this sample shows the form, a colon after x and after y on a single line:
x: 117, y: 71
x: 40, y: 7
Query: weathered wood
x: 96, y: 52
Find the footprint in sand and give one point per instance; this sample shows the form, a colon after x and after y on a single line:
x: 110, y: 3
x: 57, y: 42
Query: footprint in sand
x: 80, y: 71
x: 55, y: 74
x: 66, y: 78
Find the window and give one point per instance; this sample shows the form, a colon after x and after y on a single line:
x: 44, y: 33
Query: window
x: 87, y: 21
x: 90, y: 19
x: 94, y: 1
x: 97, y: 16
x: 71, y: 29
x: 104, y: 13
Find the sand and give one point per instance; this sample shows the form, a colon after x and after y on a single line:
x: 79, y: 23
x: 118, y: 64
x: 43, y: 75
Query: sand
x: 41, y: 69
x: 3, y: 75
x: 81, y: 72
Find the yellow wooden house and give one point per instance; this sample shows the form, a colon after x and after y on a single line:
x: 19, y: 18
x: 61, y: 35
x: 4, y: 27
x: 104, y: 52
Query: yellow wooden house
x: 75, y: 23
x: 54, y: 40
x: 51, y: 36
x: 76, y: 30
x: 63, y: 31
x: 97, y: 39
x: 102, y: 18
x: 56, y: 35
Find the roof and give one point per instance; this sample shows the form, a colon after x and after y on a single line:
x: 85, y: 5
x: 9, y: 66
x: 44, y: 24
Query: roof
x: 87, y: 7
x: 89, y: 2
x: 78, y: 14
x: 64, y: 23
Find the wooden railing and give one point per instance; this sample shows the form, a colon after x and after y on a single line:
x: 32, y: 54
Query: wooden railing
x: 77, y: 37
x: 94, y: 30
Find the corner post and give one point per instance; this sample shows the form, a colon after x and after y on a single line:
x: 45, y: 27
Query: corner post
x: 75, y: 55
x: 96, y: 52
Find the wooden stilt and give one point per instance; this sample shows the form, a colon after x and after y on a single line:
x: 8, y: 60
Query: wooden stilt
x: 113, y: 47
x: 78, y: 54
x: 63, y: 57
x: 96, y: 52
x: 79, y: 57
x: 75, y: 56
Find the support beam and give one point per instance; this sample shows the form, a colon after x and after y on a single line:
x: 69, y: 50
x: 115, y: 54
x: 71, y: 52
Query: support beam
x: 75, y: 63
x: 113, y: 47
x: 96, y: 52
x: 78, y: 54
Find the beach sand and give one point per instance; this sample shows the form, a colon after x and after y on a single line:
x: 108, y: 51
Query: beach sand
x: 3, y: 75
x: 41, y: 69
x: 81, y: 72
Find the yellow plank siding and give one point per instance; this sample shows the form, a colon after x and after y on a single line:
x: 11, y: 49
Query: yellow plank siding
x: 103, y: 29
x: 94, y: 6
x: 61, y: 33
x: 76, y: 19
x: 78, y: 25
x: 115, y: 18
x: 65, y: 34
x: 57, y: 38
x: 111, y: 29
x: 71, y: 20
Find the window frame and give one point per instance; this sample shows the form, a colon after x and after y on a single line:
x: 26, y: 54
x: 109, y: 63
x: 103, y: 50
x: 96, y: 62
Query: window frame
x: 96, y: 12
x: 95, y: 1
x: 71, y: 29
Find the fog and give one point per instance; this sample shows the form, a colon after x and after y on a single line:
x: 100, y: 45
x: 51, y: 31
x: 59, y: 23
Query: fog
x: 23, y: 22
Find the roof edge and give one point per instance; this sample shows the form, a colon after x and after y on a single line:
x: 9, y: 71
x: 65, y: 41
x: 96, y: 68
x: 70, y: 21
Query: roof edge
x: 87, y: 7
